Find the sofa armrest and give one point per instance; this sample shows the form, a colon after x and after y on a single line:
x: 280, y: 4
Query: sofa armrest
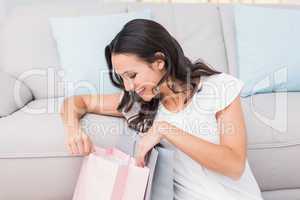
x: 14, y: 94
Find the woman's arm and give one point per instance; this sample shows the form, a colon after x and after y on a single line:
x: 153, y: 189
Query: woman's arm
x: 75, y: 107
x: 229, y: 156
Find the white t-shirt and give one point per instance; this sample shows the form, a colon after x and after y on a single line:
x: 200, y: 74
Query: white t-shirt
x: 192, y: 181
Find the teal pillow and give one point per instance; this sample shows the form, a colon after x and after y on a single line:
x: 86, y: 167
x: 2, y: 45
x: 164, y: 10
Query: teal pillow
x: 81, y: 42
x: 268, y: 46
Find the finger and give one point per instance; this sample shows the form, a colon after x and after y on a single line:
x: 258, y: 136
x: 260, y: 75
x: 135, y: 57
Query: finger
x: 79, y: 143
x: 86, y: 144
x: 139, y: 160
x: 142, y: 163
x: 68, y: 146
x: 140, y: 155
x: 93, y: 148
x: 139, y: 163
x: 73, y: 147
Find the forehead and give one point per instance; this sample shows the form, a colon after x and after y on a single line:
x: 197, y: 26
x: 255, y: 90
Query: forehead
x: 126, y: 62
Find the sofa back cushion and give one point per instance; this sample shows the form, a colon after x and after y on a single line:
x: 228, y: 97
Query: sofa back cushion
x: 229, y: 32
x: 28, y: 48
x: 267, y: 48
x: 81, y: 42
x: 197, y: 28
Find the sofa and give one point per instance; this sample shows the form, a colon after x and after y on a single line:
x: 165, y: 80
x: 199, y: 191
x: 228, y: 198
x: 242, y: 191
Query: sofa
x: 34, y: 162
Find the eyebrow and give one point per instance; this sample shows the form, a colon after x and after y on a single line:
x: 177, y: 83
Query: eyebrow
x: 126, y: 72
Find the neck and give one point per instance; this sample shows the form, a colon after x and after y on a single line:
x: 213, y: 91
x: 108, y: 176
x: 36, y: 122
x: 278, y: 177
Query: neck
x: 173, y: 99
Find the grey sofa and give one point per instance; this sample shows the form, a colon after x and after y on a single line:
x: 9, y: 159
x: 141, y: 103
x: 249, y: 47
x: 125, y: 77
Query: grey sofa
x: 34, y: 163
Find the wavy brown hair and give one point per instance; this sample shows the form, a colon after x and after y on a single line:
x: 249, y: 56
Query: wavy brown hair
x: 143, y: 38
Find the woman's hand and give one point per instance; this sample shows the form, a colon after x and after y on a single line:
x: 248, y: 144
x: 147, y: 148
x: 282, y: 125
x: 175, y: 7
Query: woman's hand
x: 79, y: 143
x: 149, y: 139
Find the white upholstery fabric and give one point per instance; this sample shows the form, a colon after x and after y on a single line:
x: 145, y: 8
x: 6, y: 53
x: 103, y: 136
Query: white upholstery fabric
x: 200, y: 39
x: 26, y: 36
x: 14, y: 94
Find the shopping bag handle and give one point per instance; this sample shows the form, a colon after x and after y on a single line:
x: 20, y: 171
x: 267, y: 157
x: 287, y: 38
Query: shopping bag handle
x: 114, y: 151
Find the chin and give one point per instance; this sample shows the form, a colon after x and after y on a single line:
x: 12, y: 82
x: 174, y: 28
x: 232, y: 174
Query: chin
x: 147, y: 98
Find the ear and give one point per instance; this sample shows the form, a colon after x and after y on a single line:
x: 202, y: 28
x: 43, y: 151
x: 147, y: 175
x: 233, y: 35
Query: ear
x: 160, y: 60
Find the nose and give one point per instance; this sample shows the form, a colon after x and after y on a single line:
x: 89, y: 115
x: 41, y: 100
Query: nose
x: 129, y: 85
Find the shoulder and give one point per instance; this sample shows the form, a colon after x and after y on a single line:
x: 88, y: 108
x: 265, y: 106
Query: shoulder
x: 221, y: 82
x: 222, y: 88
x: 222, y: 78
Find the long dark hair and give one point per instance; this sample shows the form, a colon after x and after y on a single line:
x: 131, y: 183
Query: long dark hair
x: 144, y: 38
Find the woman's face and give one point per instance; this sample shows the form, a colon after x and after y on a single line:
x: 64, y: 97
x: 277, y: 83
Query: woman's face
x: 138, y: 75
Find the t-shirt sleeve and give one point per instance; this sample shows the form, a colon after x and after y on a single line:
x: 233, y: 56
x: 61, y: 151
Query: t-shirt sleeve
x: 228, y: 88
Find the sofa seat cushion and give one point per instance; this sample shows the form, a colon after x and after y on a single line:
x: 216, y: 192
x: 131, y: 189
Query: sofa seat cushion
x: 274, y: 139
x: 287, y: 194
x: 37, y: 130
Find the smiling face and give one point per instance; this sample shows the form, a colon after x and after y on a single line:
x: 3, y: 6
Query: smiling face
x: 138, y: 75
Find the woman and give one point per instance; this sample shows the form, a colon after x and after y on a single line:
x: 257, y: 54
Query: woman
x: 187, y: 107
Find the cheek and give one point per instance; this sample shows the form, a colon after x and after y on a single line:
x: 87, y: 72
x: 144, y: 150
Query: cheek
x: 148, y: 81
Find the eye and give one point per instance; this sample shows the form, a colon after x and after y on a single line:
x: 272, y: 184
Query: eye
x: 132, y: 76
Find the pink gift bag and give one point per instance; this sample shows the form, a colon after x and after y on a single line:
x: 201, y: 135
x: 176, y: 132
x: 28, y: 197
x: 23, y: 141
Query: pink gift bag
x: 110, y: 174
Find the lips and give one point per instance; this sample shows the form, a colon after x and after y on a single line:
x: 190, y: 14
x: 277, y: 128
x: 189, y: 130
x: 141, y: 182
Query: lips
x: 141, y: 91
